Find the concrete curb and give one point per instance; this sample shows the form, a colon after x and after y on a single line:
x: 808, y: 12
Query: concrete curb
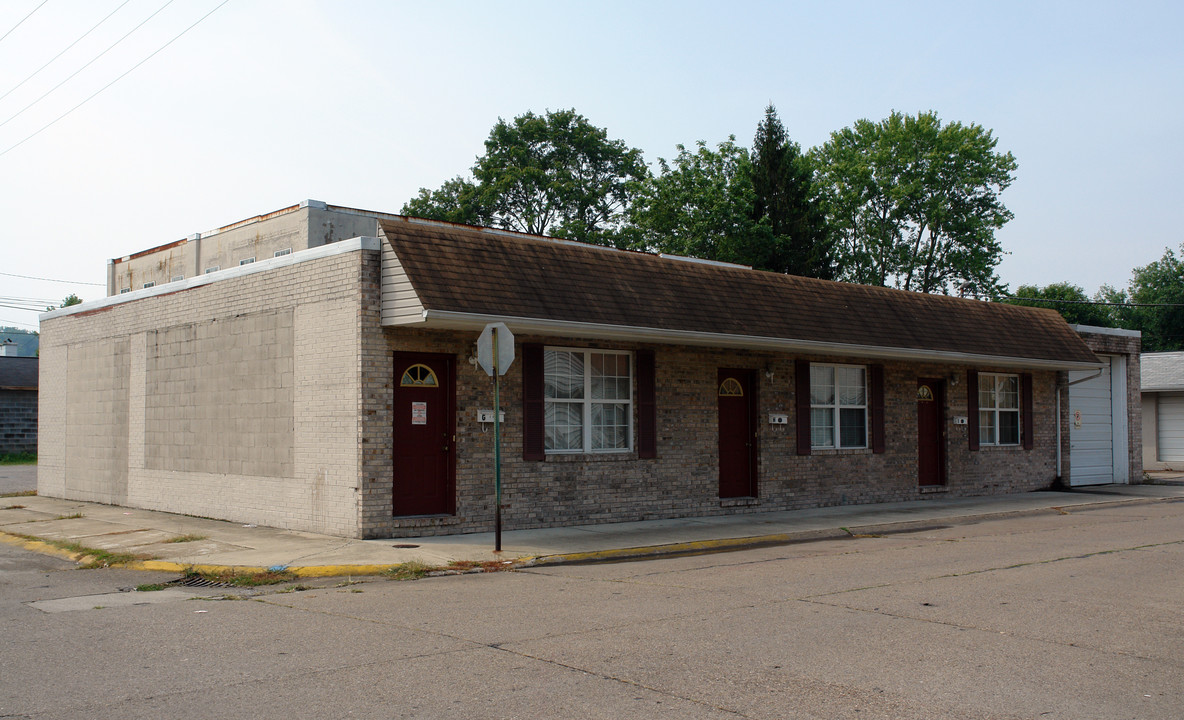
x: 706, y: 547
x: 46, y: 548
x: 40, y: 546
x: 610, y: 555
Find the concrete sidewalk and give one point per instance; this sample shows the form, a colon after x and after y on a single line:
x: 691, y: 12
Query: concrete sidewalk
x: 178, y: 542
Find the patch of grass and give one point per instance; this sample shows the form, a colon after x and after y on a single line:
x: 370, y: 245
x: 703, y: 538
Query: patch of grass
x: 485, y: 566
x: 20, y: 493
x: 94, y: 557
x: 151, y: 587
x: 186, y: 538
x: 410, y: 570
x: 18, y: 458
x: 75, y: 516
x: 246, y: 579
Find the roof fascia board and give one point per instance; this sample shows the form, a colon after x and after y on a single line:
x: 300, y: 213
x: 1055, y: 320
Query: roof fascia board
x: 1162, y: 389
x: 321, y: 251
x: 445, y: 319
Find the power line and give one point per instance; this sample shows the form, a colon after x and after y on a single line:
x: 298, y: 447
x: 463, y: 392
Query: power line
x: 67, y: 282
x: 91, y: 62
x: 14, y: 322
x: 63, y: 52
x: 36, y: 301
x: 1091, y: 302
x: 14, y: 27
x: 28, y: 308
x: 162, y: 47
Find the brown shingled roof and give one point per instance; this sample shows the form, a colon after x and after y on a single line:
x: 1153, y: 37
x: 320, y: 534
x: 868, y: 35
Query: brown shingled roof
x: 470, y: 270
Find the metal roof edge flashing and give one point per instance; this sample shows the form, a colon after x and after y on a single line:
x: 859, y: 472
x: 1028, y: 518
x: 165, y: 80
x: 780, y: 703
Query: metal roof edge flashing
x: 704, y: 261
x: 1097, y: 330
x: 460, y: 320
x: 356, y: 244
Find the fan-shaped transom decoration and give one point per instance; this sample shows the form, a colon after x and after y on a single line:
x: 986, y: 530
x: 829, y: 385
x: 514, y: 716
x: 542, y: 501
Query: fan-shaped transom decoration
x: 924, y: 394
x: 731, y: 388
x: 419, y: 376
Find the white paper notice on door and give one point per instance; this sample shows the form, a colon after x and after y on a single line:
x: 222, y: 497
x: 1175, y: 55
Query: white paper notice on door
x: 419, y: 413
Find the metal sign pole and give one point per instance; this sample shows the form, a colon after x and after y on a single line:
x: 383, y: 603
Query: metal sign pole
x: 497, y: 450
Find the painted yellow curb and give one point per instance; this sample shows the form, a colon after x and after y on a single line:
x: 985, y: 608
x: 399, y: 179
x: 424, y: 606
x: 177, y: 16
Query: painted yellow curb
x: 45, y: 548
x: 39, y: 546
x: 697, y: 547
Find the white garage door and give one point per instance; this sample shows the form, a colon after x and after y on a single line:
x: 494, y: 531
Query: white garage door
x: 1171, y: 428
x: 1097, y: 433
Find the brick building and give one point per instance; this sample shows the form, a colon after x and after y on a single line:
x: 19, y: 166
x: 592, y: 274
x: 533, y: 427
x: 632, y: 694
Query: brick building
x: 333, y: 388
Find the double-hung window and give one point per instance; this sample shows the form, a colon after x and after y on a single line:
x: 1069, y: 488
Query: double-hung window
x: 998, y: 409
x: 587, y: 401
x: 838, y: 406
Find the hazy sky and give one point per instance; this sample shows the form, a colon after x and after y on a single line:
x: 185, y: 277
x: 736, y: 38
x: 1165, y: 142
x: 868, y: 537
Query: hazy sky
x: 266, y: 103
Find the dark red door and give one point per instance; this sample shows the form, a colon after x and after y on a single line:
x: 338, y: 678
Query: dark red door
x: 737, y: 433
x: 931, y: 425
x: 424, y: 427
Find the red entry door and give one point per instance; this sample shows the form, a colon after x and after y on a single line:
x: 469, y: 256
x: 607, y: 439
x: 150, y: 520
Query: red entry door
x: 424, y: 428
x: 737, y: 433
x: 931, y: 437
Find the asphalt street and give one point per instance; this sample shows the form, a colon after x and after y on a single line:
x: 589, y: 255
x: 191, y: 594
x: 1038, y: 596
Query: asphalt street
x: 1074, y: 615
x: 17, y: 478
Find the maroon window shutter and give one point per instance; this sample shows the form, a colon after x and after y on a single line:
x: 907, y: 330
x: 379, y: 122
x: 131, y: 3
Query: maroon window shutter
x: 801, y: 373
x: 1026, y: 412
x: 647, y: 405
x: 532, y: 402
x: 972, y: 407
x: 876, y: 406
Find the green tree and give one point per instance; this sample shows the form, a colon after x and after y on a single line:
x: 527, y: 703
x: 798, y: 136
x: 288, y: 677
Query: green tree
x: 700, y: 205
x: 782, y: 183
x: 1157, y: 291
x: 915, y: 203
x: 1067, y: 299
x: 455, y: 201
x: 546, y: 174
x: 69, y: 300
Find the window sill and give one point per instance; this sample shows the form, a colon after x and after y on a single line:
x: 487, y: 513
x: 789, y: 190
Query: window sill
x: 932, y: 489
x: 840, y: 451
x: 589, y: 457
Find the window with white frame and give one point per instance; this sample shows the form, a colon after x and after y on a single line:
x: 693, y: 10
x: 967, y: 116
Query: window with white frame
x: 150, y: 283
x: 587, y: 397
x: 281, y: 253
x: 246, y: 261
x: 838, y: 406
x: 998, y: 409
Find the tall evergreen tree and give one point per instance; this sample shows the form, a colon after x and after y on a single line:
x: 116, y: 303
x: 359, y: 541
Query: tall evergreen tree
x: 782, y: 181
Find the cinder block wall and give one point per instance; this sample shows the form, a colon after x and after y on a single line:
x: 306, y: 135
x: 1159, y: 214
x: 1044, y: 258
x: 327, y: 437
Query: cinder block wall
x: 238, y: 399
x: 18, y: 421
x: 684, y: 479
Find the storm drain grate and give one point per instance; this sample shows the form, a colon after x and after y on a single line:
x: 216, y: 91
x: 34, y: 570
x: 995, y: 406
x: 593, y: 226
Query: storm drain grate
x: 198, y: 581
x: 404, y: 546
